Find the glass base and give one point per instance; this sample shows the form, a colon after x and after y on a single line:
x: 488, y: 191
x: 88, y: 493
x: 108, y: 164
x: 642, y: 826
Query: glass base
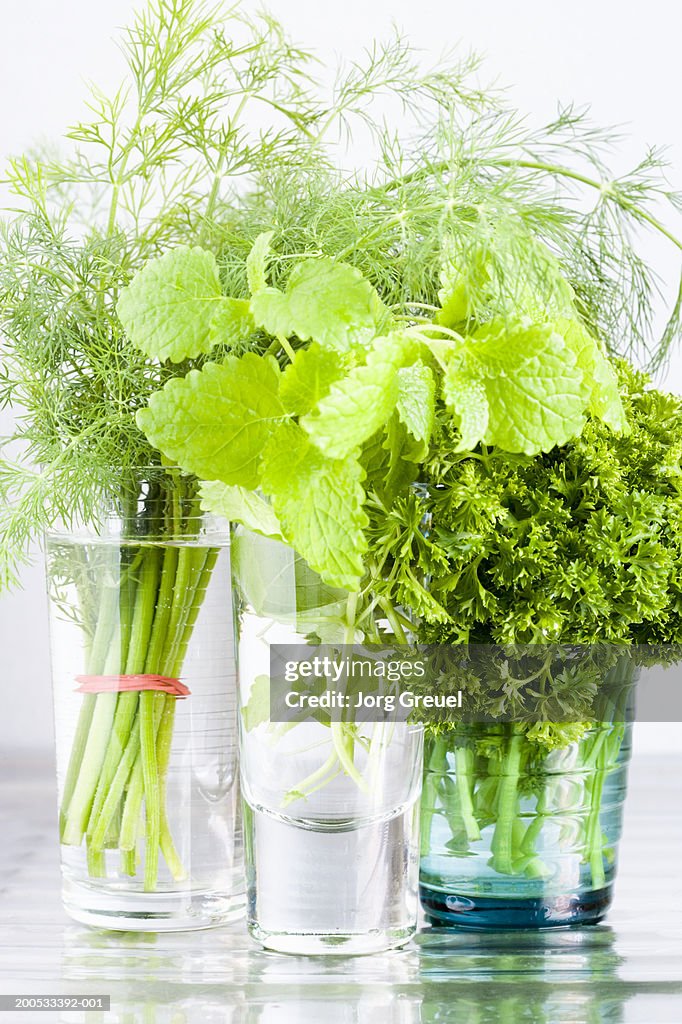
x: 479, y: 913
x: 332, y: 945
x: 150, y: 912
x: 346, y: 890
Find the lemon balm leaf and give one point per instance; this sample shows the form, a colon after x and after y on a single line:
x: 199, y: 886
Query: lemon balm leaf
x: 319, y: 502
x: 416, y: 399
x: 239, y: 505
x: 466, y: 397
x: 359, y: 404
x: 257, y: 262
x: 216, y: 421
x: 535, y: 392
x: 174, y: 307
x: 256, y: 711
x: 308, y: 379
x: 604, y: 395
x: 324, y: 301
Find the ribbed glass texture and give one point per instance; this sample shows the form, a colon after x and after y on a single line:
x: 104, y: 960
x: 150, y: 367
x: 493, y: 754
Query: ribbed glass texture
x: 514, y: 837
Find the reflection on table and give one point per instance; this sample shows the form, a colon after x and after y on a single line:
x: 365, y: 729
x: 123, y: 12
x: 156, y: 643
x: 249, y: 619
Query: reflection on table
x: 629, y: 969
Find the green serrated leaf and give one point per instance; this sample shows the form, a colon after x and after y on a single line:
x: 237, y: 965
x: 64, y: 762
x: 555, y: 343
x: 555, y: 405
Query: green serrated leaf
x: 416, y: 399
x: 309, y: 378
x: 392, y: 459
x: 600, y: 377
x: 276, y: 582
x: 534, y: 389
x: 257, y: 262
x: 325, y: 301
x: 256, y: 711
x: 239, y: 505
x: 508, y: 267
x: 362, y: 402
x: 319, y: 502
x: 216, y: 421
x: 174, y: 308
x: 458, y: 286
x: 465, y: 395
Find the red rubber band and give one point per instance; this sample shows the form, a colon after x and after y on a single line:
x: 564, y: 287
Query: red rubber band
x: 127, y: 684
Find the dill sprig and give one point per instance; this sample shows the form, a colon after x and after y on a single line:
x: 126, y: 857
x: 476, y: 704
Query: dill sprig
x: 221, y: 131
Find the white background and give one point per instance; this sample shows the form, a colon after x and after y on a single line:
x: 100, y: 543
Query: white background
x: 619, y: 56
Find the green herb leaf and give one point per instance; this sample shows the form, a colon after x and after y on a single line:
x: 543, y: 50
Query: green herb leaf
x: 324, y: 301
x: 465, y: 394
x: 256, y: 711
x: 276, y: 582
x: 534, y: 389
x: 257, y: 262
x: 174, y: 308
x: 239, y: 505
x: 416, y: 399
x: 362, y: 402
x: 319, y: 503
x: 504, y: 267
x: 392, y: 460
x: 605, y: 401
x: 456, y: 295
x: 215, y: 422
x: 309, y: 378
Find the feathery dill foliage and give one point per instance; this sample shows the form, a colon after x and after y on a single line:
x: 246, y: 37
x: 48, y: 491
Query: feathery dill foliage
x: 220, y: 131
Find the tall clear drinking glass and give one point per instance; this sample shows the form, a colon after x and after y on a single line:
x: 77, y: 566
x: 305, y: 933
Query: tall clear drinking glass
x: 146, y: 712
x: 331, y: 809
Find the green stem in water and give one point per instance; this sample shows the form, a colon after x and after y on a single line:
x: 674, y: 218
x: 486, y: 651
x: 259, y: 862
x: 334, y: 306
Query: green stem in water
x: 343, y: 745
x: 128, y: 862
x: 133, y: 660
x: 465, y: 785
x: 435, y: 766
x: 312, y: 782
x: 204, y: 563
x: 77, y: 753
x: 83, y: 756
x: 502, y: 845
x: 126, y: 706
x: 152, y: 800
x: 78, y: 814
x: 114, y: 794
x: 594, y: 843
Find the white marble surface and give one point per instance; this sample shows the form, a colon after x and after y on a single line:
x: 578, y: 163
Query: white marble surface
x: 627, y: 970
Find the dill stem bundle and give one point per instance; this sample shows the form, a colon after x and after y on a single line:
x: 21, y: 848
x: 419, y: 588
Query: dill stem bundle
x: 144, y: 600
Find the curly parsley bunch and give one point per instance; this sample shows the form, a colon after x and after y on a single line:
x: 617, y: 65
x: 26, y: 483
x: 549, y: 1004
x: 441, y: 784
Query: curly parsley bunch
x: 579, y: 545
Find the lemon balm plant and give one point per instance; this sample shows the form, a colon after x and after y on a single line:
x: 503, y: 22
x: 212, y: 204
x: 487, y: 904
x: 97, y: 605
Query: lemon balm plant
x: 185, y: 289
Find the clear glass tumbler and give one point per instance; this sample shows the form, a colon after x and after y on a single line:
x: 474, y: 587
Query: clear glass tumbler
x: 331, y: 809
x: 146, y: 712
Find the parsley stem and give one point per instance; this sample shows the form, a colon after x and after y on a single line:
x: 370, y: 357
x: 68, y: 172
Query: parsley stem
x: 502, y: 845
x: 435, y: 767
x: 465, y: 786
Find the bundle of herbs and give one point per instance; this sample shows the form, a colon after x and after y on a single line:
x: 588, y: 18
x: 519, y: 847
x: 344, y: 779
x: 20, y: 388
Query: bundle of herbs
x: 185, y: 288
x: 578, y: 547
